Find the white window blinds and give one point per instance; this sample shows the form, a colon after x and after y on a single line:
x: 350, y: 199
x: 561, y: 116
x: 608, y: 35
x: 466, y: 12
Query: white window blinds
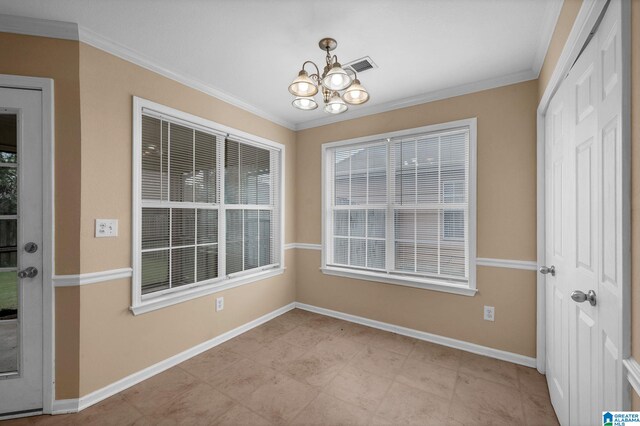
x: 360, y: 206
x: 401, y: 206
x: 209, y: 208
x: 252, y: 199
x: 179, y: 205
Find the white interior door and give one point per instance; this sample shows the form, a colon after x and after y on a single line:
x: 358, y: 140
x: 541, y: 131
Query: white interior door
x: 583, y: 183
x: 582, y: 153
x: 557, y: 244
x: 21, y: 222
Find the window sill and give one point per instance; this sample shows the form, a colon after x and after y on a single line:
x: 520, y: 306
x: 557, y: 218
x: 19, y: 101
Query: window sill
x: 199, y: 291
x: 422, y: 283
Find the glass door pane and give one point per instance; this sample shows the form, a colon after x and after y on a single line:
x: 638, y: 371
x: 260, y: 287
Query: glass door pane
x: 9, y: 290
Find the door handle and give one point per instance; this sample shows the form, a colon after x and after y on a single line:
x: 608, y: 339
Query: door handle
x: 548, y: 270
x: 29, y: 272
x: 580, y: 297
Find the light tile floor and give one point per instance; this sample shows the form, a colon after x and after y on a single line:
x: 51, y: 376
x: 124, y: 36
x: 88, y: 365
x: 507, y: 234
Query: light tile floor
x: 307, y: 369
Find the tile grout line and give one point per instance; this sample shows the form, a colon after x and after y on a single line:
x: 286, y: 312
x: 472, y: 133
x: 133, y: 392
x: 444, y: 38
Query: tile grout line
x: 237, y: 402
x: 453, y: 393
x: 297, y: 413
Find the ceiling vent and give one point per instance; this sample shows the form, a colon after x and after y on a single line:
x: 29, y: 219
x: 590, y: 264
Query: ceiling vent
x: 360, y: 65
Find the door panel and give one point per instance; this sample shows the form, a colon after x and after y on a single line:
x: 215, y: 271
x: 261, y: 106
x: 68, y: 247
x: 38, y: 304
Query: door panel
x: 610, y: 295
x: 557, y: 358
x: 583, y: 346
x: 584, y: 211
x: 20, y: 222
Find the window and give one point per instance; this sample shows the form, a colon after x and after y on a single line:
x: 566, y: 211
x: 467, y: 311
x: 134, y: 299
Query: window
x: 400, y: 208
x: 207, y: 210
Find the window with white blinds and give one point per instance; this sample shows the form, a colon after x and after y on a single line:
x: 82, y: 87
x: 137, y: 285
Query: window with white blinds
x: 208, y: 205
x: 402, y: 206
x: 251, y: 199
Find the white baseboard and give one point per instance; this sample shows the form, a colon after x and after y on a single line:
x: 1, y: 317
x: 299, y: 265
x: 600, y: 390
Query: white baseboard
x: 422, y: 335
x: 65, y: 406
x: 74, y: 405
x: 19, y: 415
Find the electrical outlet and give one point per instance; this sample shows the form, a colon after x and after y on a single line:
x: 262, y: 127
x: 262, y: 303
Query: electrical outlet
x: 219, y: 303
x: 106, y: 228
x: 489, y: 313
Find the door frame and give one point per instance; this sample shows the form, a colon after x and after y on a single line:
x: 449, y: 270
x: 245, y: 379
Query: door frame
x: 46, y: 86
x: 585, y: 21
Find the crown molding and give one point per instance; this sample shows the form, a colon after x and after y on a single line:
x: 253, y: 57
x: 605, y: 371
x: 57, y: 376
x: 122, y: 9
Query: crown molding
x: 38, y: 27
x: 100, y: 42
x: 71, y: 31
x: 437, y: 95
x: 587, y: 17
x: 551, y: 15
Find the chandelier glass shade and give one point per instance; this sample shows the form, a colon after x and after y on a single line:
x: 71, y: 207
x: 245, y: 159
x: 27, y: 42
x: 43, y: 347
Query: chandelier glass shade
x: 338, y: 88
x: 303, y: 85
x: 305, y: 103
x: 335, y: 105
x: 336, y: 78
x: 355, y: 94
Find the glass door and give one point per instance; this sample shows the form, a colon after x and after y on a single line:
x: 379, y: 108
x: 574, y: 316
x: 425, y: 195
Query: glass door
x: 9, y: 290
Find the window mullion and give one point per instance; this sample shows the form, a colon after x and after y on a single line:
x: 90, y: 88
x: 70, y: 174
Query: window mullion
x: 390, y: 229
x: 222, y: 211
x: 243, y: 215
x: 195, y: 212
x: 161, y: 156
x: 366, y: 214
x: 168, y: 161
x: 415, y: 212
x: 440, y: 200
x: 349, y: 217
x: 170, y: 249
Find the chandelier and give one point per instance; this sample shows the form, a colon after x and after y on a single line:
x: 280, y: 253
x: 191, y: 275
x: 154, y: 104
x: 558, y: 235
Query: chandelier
x: 338, y: 88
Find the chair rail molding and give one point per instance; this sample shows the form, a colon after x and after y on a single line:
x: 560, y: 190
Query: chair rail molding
x: 91, y: 277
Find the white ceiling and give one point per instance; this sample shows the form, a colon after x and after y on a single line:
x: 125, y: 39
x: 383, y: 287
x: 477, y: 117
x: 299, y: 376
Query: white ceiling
x: 250, y: 50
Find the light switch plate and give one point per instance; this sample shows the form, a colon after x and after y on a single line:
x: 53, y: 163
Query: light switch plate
x: 106, y: 228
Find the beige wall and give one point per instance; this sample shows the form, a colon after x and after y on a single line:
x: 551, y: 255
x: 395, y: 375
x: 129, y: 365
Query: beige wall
x: 113, y: 342
x: 506, y: 223
x: 108, y: 85
x: 56, y: 59
x: 59, y: 60
x: 567, y: 17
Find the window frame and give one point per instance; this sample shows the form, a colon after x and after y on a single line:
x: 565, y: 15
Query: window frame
x: 467, y: 288
x: 145, y: 303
